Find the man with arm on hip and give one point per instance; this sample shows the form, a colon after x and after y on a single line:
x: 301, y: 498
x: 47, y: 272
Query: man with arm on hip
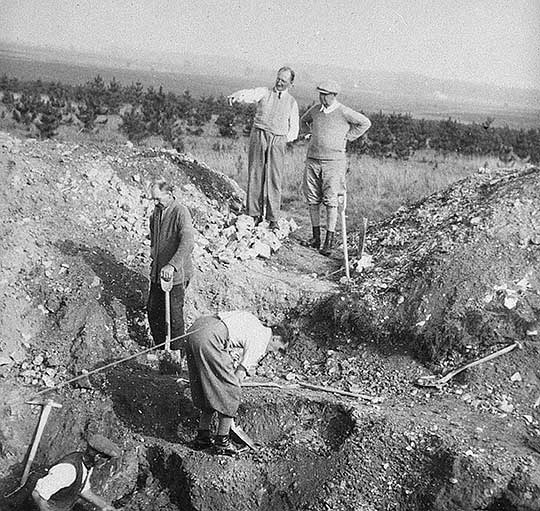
x: 331, y: 125
x: 171, y: 244
x: 275, y: 124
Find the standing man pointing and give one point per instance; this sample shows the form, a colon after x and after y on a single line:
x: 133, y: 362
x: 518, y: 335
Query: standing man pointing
x: 331, y: 125
x: 275, y: 124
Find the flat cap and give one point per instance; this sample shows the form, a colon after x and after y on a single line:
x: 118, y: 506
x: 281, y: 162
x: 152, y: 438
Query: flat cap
x: 329, y: 87
x: 104, y: 446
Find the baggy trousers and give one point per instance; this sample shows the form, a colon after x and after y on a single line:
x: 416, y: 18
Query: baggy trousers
x: 214, y: 384
x: 156, y: 313
x: 266, y: 161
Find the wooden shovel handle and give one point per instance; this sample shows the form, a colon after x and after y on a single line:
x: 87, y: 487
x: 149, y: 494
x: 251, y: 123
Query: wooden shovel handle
x: 431, y: 381
x: 502, y: 351
x: 344, y: 240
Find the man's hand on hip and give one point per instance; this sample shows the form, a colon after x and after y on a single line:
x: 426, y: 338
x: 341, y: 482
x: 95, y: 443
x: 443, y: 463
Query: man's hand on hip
x: 167, y: 272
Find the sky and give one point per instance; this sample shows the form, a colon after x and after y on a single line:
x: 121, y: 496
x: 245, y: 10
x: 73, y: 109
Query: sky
x: 488, y: 41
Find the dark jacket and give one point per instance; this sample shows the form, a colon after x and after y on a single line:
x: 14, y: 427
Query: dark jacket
x: 171, y: 241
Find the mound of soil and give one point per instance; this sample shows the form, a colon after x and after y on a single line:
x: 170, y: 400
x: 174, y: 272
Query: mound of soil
x: 456, y: 273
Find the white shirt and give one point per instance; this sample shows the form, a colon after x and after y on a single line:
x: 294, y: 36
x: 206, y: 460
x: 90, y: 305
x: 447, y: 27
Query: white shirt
x: 331, y: 108
x: 61, y: 476
x: 256, y: 94
x: 249, y: 334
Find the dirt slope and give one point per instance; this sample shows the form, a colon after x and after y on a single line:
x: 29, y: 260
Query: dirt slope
x: 458, y: 271
x: 74, y: 260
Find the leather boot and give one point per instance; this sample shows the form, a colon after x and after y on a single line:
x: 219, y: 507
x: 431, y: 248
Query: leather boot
x: 224, y: 446
x: 202, y: 441
x: 315, y: 242
x: 328, y: 244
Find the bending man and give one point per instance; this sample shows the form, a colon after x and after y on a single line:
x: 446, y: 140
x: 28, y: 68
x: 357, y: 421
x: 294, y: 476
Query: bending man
x: 215, y: 382
x: 275, y: 124
x: 331, y: 125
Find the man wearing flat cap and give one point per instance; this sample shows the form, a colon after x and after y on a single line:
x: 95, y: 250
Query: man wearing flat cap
x: 331, y: 124
x: 275, y: 124
x: 68, y: 479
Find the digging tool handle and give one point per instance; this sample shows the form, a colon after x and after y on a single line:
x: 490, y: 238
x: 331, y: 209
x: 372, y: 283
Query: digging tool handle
x: 432, y: 382
x: 453, y: 373
x: 166, y: 285
x: 39, y: 432
x: 344, y: 237
x: 333, y: 390
x: 364, y: 230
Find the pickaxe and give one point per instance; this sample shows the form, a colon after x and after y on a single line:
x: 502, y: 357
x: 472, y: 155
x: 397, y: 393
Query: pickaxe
x: 45, y: 411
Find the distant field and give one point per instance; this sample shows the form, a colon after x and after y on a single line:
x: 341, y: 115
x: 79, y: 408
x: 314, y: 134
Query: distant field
x: 26, y: 69
x: 67, y: 73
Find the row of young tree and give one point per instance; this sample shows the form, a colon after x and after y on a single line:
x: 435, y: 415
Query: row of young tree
x: 46, y: 105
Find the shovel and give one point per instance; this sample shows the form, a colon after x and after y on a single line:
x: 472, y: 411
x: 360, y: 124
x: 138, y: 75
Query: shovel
x: 432, y: 381
x: 241, y: 435
x: 45, y: 411
x: 167, y: 285
x: 344, y: 236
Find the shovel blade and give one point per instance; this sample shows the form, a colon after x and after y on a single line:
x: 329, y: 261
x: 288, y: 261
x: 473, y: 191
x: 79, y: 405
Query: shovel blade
x: 242, y: 436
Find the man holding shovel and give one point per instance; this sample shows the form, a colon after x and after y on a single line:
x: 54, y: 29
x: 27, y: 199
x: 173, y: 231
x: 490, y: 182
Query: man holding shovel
x: 68, y: 480
x: 171, y: 245
x: 214, y: 379
x: 331, y: 124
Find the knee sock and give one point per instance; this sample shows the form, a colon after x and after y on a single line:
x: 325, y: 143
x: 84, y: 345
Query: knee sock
x: 224, y: 425
x: 331, y: 218
x: 315, y: 215
x: 205, y: 420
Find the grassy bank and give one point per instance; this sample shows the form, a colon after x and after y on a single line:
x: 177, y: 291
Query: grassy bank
x: 376, y: 187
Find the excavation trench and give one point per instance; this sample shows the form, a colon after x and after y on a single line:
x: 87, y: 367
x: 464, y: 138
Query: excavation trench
x: 314, y: 455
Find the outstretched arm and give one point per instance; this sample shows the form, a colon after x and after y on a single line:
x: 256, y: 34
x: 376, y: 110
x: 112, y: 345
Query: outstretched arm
x: 247, y: 95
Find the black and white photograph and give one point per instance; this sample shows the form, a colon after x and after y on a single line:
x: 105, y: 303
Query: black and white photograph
x: 270, y: 256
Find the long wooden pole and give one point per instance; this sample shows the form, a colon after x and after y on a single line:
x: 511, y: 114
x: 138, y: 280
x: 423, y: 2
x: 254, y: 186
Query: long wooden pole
x: 344, y: 237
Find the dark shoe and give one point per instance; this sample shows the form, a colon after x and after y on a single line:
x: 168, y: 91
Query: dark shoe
x: 257, y: 220
x: 224, y: 446
x: 202, y: 441
x: 315, y: 242
x: 328, y: 244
